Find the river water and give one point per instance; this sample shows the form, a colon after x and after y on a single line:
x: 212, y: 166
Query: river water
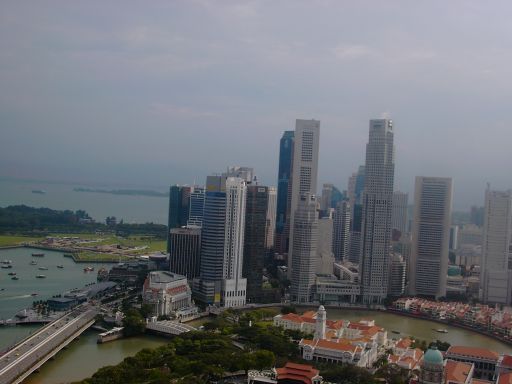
x: 84, y: 356
x: 132, y: 209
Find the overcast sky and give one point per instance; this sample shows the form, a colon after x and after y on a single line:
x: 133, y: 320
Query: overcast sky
x: 151, y: 93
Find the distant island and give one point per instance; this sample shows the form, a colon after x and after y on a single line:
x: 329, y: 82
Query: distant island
x: 129, y: 192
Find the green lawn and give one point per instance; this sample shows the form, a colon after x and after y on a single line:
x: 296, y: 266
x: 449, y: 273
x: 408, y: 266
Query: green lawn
x: 9, y: 240
x: 104, y: 257
x: 153, y: 245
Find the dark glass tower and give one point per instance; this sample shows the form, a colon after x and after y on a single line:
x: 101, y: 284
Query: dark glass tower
x: 179, y: 201
x: 284, y: 191
x: 254, y: 240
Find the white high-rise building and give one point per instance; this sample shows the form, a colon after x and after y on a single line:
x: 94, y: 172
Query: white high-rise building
x: 325, y: 257
x: 304, y: 243
x: 234, y: 285
x: 496, y: 273
x: 377, y: 209
x: 430, y: 236
x: 399, y: 216
x: 305, y: 171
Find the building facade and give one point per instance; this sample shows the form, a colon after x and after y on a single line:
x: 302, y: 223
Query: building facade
x: 179, y: 200
x: 496, y: 274
x: 304, y: 244
x: 430, y: 236
x: 196, y: 210
x: 284, y: 178
x: 167, y: 293
x: 305, y: 172
x: 377, y: 209
x: 185, y: 251
x: 271, y: 218
x: 399, y: 216
x: 341, y: 231
x: 256, y: 215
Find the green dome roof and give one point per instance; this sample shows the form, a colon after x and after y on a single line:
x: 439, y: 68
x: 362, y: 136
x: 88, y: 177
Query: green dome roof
x: 433, y: 356
x: 454, y: 270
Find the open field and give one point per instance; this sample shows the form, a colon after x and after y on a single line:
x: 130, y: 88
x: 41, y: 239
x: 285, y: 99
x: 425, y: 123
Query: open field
x: 146, y: 243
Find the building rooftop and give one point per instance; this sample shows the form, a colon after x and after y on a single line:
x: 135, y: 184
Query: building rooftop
x: 474, y: 352
x: 164, y: 277
x: 298, y: 372
x: 456, y: 371
x: 505, y: 378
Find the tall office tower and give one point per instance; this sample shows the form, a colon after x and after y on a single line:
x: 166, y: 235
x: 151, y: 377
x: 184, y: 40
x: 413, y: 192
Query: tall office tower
x: 284, y: 177
x: 397, y: 275
x: 477, y: 215
x: 336, y: 196
x: 304, y: 243
x: 399, y: 216
x: 245, y: 173
x: 271, y: 218
x: 325, y: 257
x: 222, y: 242
x: 185, y: 256
x: 305, y: 169
x: 354, y: 195
x: 355, y: 234
x: 179, y: 198
x: 341, y: 231
x: 430, y: 236
x: 454, y: 237
x: 325, y: 200
x: 196, y: 210
x: 377, y: 209
x: 256, y: 212
x: 496, y: 273
x: 234, y: 285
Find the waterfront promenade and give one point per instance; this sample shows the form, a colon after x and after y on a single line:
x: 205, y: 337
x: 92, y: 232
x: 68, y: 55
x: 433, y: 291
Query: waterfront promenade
x: 29, y: 354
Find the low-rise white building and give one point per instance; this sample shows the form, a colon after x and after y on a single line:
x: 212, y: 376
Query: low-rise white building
x: 168, y: 293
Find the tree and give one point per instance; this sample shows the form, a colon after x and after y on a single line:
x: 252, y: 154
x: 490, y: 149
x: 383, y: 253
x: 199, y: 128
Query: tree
x: 133, y: 323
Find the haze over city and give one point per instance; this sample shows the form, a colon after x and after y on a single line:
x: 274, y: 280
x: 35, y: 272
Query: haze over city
x: 169, y: 92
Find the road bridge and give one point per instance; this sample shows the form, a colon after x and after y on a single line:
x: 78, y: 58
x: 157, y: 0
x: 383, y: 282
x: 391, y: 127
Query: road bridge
x: 31, y: 353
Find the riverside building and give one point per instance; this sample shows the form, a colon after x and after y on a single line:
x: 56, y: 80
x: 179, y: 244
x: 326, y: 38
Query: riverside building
x: 430, y: 236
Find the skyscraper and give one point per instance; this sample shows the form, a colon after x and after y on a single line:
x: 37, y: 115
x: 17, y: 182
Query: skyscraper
x: 341, y: 231
x: 185, y: 255
x: 284, y: 192
x: 245, y: 173
x: 305, y: 170
x: 496, y: 274
x: 222, y: 243
x: 234, y: 285
x: 397, y: 275
x: 304, y: 243
x: 256, y: 212
x: 399, y: 216
x: 271, y: 218
x: 430, y: 236
x: 196, y: 210
x: 179, y: 197
x: 325, y: 200
x: 377, y: 209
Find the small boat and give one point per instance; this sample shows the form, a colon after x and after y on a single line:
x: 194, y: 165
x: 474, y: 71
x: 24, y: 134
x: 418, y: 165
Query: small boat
x: 60, y: 266
x: 43, y: 268
x: 41, y: 276
x: 8, y: 266
x: 12, y: 273
x: 39, y: 191
x: 38, y: 254
x: 68, y: 255
x: 442, y: 330
x: 88, y: 269
x: 397, y: 332
x: 15, y: 278
x: 33, y: 294
x: 6, y: 261
x: 33, y: 262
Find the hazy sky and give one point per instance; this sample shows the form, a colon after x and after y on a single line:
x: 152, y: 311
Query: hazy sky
x: 153, y: 93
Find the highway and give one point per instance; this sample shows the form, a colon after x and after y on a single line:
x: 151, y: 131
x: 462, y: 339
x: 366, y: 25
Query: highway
x: 36, y: 349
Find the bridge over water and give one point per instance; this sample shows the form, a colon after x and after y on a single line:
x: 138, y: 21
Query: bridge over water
x: 31, y: 353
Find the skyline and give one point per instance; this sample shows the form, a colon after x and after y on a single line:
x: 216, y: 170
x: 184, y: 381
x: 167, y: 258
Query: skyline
x: 143, y: 97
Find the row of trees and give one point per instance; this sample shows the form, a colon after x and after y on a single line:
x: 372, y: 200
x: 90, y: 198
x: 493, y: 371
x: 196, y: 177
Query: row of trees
x: 28, y: 220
